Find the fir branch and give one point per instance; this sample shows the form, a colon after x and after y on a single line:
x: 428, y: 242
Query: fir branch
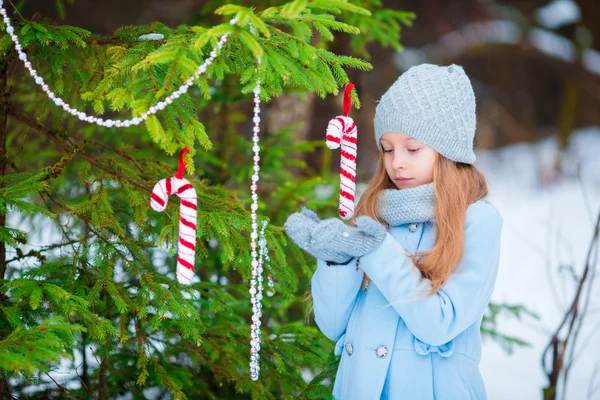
x: 28, y: 350
x: 55, y: 137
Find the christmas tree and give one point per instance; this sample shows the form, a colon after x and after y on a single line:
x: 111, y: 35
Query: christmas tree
x: 90, y: 307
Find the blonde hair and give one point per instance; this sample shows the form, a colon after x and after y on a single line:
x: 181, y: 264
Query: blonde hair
x: 456, y: 186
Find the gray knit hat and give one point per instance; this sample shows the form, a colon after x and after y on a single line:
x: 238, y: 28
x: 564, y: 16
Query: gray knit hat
x: 433, y: 104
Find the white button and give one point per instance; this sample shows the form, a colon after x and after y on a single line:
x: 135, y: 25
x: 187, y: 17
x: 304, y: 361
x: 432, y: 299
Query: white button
x: 381, y: 351
x: 413, y: 227
x: 349, y: 348
x: 346, y: 234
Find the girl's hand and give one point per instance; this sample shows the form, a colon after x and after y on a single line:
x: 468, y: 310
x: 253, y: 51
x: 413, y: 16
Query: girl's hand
x: 299, y: 227
x: 331, y: 239
x: 307, y: 212
x: 354, y: 241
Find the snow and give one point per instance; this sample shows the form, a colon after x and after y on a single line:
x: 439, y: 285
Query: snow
x: 545, y: 227
x: 558, y: 13
x: 472, y: 35
x: 553, y: 44
x: 591, y: 60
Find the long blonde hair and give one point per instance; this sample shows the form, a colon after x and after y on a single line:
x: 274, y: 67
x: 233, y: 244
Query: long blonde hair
x: 456, y: 186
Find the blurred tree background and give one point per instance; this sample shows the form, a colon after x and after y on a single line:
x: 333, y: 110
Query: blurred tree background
x: 88, y: 268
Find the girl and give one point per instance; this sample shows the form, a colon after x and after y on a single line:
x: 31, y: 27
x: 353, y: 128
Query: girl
x: 404, y: 289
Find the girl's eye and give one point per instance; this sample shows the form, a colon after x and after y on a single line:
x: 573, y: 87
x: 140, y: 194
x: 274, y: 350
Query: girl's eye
x: 387, y: 151
x: 413, y: 150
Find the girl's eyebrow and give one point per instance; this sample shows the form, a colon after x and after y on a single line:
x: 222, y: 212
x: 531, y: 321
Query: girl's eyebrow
x: 390, y: 141
x: 403, y: 140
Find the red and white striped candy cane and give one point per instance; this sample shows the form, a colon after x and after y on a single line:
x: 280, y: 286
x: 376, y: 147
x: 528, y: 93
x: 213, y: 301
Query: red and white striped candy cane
x: 188, y: 216
x: 342, y: 131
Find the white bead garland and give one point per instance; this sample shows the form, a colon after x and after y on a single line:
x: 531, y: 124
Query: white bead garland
x: 257, y: 263
x: 262, y: 242
x: 256, y: 295
x: 96, y: 120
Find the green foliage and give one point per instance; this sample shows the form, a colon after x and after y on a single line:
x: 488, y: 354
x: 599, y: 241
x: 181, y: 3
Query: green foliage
x: 14, y: 195
x: 27, y: 351
x: 320, y: 387
x: 489, y: 325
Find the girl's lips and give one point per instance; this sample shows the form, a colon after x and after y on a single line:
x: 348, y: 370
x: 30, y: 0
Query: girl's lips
x: 402, y: 179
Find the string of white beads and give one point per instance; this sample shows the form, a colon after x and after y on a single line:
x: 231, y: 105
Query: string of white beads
x: 256, y: 295
x: 161, y: 105
x: 257, y: 259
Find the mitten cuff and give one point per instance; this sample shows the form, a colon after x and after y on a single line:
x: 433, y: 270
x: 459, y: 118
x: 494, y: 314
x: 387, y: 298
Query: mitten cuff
x: 333, y: 263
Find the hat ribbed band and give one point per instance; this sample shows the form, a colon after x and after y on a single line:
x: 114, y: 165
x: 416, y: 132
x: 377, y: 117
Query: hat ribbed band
x: 426, y: 132
x: 435, y: 105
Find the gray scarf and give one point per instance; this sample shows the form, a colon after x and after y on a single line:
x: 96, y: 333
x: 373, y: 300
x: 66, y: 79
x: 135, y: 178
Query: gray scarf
x: 402, y: 206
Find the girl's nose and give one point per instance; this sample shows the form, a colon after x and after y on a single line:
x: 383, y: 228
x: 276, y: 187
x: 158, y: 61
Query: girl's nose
x: 398, y: 162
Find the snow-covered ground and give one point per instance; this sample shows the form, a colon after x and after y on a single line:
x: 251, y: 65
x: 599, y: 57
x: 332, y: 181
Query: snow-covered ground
x: 545, y: 227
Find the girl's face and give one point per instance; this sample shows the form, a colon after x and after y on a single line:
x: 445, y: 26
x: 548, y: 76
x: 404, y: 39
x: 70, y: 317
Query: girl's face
x: 408, y: 162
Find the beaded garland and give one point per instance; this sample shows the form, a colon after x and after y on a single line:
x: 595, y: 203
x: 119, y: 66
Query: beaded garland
x: 161, y: 105
x: 257, y: 269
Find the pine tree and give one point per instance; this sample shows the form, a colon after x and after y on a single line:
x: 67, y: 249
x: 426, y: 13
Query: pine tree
x: 97, y: 301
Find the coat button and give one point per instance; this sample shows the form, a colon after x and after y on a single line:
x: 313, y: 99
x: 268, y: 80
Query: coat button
x: 348, y: 348
x: 381, y: 351
x: 413, y: 227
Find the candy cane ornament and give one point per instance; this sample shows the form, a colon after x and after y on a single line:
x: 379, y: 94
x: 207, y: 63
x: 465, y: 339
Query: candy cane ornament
x: 188, y: 217
x: 342, y: 131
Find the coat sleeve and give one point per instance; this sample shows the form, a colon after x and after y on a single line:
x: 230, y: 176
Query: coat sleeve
x: 334, y: 289
x: 439, y: 318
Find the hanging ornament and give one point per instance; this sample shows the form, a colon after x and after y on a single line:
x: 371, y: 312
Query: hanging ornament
x: 188, y: 216
x: 342, y: 131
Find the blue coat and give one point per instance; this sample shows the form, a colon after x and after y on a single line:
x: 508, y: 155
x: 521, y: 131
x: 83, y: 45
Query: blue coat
x: 397, y: 343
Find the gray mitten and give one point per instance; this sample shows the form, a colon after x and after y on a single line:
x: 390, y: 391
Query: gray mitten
x: 299, y: 228
x: 335, y: 235
x: 307, y: 212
